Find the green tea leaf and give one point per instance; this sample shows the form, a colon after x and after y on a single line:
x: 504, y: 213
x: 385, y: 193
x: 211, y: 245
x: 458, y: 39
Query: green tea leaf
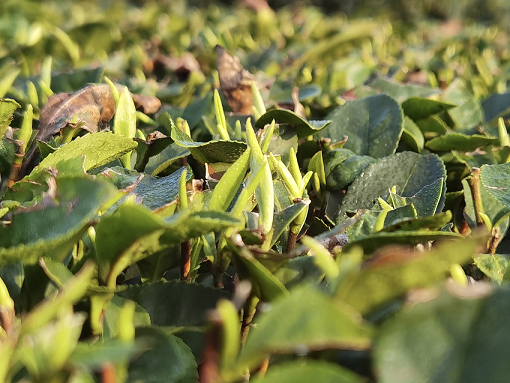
x: 493, y: 265
x: 495, y: 180
x: 394, y: 274
x: 309, y: 371
x: 7, y: 108
x: 461, y: 142
x: 454, y: 338
x: 265, y: 285
x: 46, y: 350
x: 495, y: 106
x: 98, y: 148
x: 375, y: 241
x: 70, y: 293
x: 52, y: 230
x: 175, y: 303
x: 418, y: 108
x: 212, y: 151
x: 410, y: 172
x: 373, y: 125
x: 399, y: 91
x: 412, y: 135
x: 313, y: 321
x: 229, y: 183
x: 468, y: 113
x: 168, y: 360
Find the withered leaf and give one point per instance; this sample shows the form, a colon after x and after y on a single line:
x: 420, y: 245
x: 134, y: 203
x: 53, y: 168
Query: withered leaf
x: 91, y: 106
x: 235, y: 81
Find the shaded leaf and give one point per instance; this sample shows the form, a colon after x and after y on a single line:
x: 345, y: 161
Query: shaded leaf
x: 418, y: 108
x: 303, y: 127
x: 412, y: 135
x: 461, y: 142
x: 375, y: 241
x: 493, y: 265
x: 265, y: 285
x: 212, y: 151
x: 284, y: 96
x: 496, y: 105
x: 7, y: 108
x: 168, y: 360
x: 95, y: 355
x: 285, y: 217
x: 468, y: 113
x: 175, y: 303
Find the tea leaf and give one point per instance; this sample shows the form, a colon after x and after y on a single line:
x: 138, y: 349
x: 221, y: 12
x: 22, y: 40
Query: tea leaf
x: 373, y: 125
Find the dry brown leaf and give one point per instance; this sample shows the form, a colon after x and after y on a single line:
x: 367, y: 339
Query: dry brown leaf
x: 91, y: 106
x: 235, y: 81
x: 299, y: 109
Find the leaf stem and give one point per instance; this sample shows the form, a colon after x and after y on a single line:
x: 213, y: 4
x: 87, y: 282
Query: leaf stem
x: 208, y: 371
x: 474, y: 184
x: 249, y: 312
x: 186, y: 260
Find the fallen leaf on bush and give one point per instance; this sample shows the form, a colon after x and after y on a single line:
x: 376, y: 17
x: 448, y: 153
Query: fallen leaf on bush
x: 235, y: 81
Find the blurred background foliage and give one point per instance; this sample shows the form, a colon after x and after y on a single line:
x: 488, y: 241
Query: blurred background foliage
x: 166, y: 48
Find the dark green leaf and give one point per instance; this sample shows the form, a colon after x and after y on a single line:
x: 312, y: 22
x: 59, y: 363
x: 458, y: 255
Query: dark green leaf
x: 52, y: 230
x: 469, y: 113
x: 454, y: 339
x: 168, y: 360
x: 394, y: 274
x: 304, y: 127
x: 417, y: 108
x: 493, y: 265
x: 461, y: 142
x: 310, y: 371
x: 496, y: 105
x: 312, y: 321
x: 375, y: 241
x: 495, y: 179
x: 175, y: 303
x: 373, y: 124
x: 7, y: 108
x: 412, y: 135
x: 399, y: 91
x: 410, y: 172
x: 285, y: 95
x: 212, y: 151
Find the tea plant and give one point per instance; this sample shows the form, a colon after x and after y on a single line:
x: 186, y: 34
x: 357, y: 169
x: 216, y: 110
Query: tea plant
x: 329, y: 201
